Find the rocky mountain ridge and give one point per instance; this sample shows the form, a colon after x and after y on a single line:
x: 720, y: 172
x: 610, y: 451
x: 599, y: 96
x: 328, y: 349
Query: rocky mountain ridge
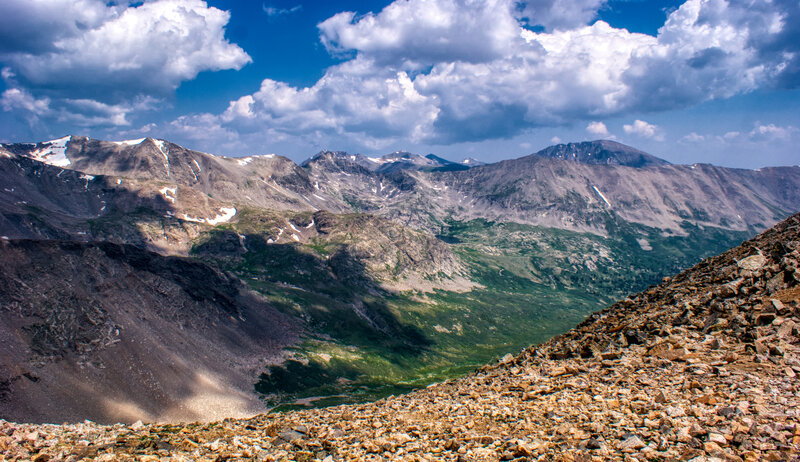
x: 700, y: 367
x: 574, y: 186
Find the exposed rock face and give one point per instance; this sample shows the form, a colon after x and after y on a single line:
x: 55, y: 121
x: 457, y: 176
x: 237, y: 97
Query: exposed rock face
x: 701, y: 367
x: 116, y: 333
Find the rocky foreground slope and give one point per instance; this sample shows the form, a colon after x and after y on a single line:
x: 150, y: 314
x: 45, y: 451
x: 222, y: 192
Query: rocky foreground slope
x: 701, y: 367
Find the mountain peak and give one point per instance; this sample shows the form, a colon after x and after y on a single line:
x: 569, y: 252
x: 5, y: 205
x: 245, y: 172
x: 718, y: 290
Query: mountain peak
x: 601, y: 152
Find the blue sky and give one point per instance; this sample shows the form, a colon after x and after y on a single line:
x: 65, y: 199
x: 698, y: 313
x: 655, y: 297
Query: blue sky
x: 699, y: 81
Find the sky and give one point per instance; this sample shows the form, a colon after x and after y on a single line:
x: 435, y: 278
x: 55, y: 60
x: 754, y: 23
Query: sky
x: 708, y: 81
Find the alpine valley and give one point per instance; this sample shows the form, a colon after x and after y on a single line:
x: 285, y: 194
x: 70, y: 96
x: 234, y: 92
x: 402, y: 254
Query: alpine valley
x: 143, y: 280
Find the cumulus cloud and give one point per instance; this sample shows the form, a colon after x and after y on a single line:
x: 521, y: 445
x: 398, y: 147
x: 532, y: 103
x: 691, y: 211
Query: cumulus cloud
x: 147, y: 49
x: 34, y: 26
x: 445, y: 71
x: 597, y: 129
x: 644, y: 129
x: 418, y: 33
x: 102, y: 60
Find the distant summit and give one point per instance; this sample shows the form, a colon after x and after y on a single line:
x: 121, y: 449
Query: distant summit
x: 602, y: 152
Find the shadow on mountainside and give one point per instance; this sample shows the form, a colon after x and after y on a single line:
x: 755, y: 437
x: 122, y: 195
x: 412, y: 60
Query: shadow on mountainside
x: 117, y: 333
x: 335, y: 296
x: 334, y: 293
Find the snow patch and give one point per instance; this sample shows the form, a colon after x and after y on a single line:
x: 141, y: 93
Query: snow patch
x: 53, y: 152
x: 602, y: 196
x: 294, y: 236
x: 198, y: 166
x: 119, y: 181
x: 310, y: 225
x: 644, y: 244
x: 293, y: 227
x: 162, y: 146
x: 169, y: 193
x: 88, y: 178
x: 196, y: 220
x: 248, y: 159
x: 129, y: 142
x: 226, y: 214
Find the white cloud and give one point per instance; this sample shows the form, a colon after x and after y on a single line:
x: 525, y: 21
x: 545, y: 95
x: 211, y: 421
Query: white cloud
x: 597, y: 129
x: 90, y: 63
x: 561, y: 14
x: 272, y: 11
x: 383, y: 106
x: 771, y: 132
x: 693, y: 137
x: 555, y: 140
x: 149, y: 49
x: 444, y: 71
x: 644, y: 129
x: 34, y: 26
x: 418, y: 33
x: 17, y: 98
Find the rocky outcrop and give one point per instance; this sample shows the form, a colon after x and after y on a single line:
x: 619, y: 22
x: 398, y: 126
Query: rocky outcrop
x: 701, y: 367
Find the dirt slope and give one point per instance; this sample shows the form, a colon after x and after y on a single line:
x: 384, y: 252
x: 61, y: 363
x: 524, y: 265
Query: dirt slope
x: 116, y: 333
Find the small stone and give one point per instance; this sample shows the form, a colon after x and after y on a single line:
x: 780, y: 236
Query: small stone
x: 789, y: 372
x: 729, y: 411
x: 717, y: 438
x: 711, y: 447
x: 593, y: 443
x: 683, y: 435
x: 752, y: 263
x: 290, y: 435
x: 696, y: 430
x: 731, y: 357
x: 633, y: 442
x: 138, y: 425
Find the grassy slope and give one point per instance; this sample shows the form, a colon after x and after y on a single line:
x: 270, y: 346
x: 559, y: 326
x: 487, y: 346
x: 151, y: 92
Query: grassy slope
x: 365, y: 343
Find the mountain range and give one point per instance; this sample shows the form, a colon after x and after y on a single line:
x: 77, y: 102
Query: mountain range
x: 347, y: 277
